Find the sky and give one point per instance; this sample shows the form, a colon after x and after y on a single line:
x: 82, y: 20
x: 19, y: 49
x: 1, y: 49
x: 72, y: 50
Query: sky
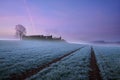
x: 74, y: 20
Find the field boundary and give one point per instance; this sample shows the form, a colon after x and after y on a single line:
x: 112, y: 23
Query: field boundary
x: 31, y: 72
x: 94, y: 73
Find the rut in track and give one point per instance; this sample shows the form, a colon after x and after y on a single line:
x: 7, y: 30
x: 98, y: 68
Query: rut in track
x: 94, y: 74
x: 29, y: 73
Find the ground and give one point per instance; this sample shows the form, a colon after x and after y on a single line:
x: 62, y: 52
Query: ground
x: 43, y: 60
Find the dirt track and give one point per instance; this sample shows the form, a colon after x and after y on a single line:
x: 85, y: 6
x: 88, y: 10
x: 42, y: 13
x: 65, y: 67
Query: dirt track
x: 29, y: 73
x: 94, y: 73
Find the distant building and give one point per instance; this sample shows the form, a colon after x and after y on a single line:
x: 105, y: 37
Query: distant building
x: 42, y: 37
x: 49, y: 37
x: 58, y: 38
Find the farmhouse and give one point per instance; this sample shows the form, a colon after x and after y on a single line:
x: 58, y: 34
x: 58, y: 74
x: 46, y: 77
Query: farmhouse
x: 42, y: 37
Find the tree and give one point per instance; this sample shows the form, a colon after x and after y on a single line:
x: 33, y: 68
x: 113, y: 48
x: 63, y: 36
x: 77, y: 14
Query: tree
x: 20, y: 31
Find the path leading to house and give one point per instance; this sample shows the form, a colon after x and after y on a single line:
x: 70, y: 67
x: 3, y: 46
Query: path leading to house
x: 94, y: 73
x: 31, y: 72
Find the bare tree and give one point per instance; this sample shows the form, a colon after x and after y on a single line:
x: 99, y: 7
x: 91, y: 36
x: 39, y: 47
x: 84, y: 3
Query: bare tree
x: 20, y: 31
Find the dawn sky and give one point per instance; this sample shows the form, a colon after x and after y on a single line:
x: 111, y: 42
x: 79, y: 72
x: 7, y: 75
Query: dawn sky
x: 74, y: 20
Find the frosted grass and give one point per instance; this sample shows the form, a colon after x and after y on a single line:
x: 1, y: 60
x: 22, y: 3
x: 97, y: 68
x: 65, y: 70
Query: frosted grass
x: 108, y: 59
x: 73, y: 67
x: 18, y: 56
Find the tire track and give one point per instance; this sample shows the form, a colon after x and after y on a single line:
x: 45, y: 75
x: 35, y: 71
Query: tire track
x: 31, y: 72
x: 94, y: 73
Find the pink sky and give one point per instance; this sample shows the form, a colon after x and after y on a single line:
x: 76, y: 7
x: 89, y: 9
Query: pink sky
x: 73, y: 20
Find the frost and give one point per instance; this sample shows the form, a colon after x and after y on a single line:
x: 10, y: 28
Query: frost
x: 18, y: 56
x: 73, y: 67
x: 108, y: 59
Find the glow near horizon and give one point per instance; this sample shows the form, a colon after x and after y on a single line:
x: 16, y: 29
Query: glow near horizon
x: 74, y: 20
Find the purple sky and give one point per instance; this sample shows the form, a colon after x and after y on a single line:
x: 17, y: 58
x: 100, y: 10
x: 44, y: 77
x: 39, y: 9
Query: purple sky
x: 75, y: 20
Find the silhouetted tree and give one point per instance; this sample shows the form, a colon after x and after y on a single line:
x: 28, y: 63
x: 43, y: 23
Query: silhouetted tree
x: 20, y: 31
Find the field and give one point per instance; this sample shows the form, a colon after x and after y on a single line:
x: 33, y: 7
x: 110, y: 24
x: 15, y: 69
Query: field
x: 109, y: 62
x: 42, y: 60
